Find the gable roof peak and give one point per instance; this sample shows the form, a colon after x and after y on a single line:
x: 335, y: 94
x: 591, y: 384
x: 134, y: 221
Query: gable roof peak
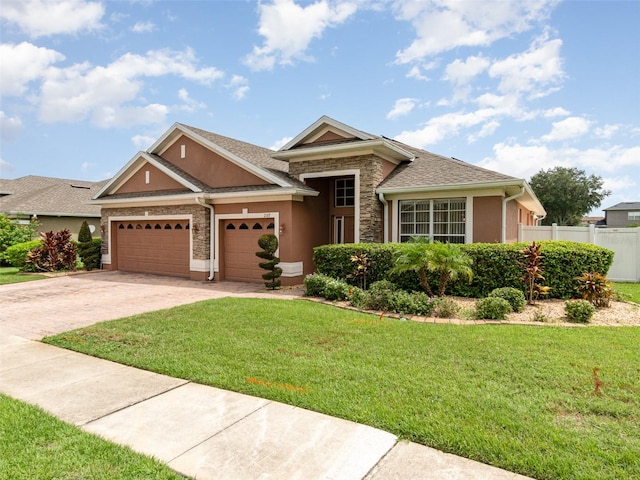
x: 327, y: 123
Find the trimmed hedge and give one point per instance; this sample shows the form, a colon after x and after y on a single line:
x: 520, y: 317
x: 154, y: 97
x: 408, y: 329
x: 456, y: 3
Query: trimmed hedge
x: 16, y: 255
x: 494, y: 266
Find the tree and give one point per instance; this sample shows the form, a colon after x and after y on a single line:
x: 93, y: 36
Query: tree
x: 450, y: 263
x: 567, y: 194
x: 269, y: 244
x: 12, y: 233
x: 88, y: 249
x: 415, y: 256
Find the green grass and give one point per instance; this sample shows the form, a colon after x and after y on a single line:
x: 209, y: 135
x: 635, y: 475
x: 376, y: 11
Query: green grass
x: 37, y: 445
x: 12, y: 275
x: 518, y: 397
x: 629, y: 292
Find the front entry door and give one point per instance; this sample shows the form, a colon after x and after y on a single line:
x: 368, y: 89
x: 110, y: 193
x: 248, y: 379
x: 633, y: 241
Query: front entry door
x: 343, y: 231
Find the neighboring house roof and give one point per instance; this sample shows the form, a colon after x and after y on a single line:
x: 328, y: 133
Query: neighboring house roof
x: 624, y: 206
x: 46, y: 196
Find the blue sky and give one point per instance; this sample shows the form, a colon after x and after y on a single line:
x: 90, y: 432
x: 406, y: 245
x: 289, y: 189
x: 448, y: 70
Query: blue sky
x: 512, y: 86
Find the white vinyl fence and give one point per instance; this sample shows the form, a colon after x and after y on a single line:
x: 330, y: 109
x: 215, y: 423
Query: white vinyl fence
x: 625, y: 242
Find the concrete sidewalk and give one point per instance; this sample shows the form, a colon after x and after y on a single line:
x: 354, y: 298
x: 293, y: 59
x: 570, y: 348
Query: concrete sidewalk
x: 208, y: 433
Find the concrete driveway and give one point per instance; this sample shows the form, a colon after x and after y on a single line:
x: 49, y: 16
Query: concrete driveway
x: 36, y: 309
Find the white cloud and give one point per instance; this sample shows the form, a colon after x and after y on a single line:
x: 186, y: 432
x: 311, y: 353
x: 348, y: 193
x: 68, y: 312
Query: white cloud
x: 403, y: 106
x: 462, y: 72
x: 10, y: 127
x: 540, y: 66
x: 5, y: 167
x: 278, y: 144
x: 86, y: 166
x: 523, y: 161
x: 615, y: 184
x: 572, y: 127
x: 240, y: 86
x: 102, y: 93
x: 188, y: 103
x: 38, y: 18
x: 143, y: 27
x: 23, y: 63
x: 438, y: 128
x: 487, y: 129
x: 288, y: 29
x: 556, y: 112
x: 142, y: 142
x: 607, y: 131
x: 448, y: 24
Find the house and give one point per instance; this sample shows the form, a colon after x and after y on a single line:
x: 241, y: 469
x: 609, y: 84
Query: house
x: 195, y: 203
x: 55, y: 203
x: 622, y: 215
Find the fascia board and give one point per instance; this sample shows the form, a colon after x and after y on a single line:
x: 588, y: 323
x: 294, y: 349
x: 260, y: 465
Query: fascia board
x: 159, y: 144
x: 371, y: 146
x: 116, y: 178
x: 56, y: 214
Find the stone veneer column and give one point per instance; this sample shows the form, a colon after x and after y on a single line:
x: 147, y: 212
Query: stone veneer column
x: 370, y: 168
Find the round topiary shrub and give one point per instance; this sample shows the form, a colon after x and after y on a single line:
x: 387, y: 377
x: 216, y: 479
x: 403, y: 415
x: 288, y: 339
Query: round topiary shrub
x: 512, y: 295
x: 358, y: 298
x: 379, y: 296
x: 579, y: 311
x: 492, y: 308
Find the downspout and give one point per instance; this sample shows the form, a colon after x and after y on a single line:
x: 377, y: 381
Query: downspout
x: 385, y: 217
x: 211, y: 234
x: 504, y: 212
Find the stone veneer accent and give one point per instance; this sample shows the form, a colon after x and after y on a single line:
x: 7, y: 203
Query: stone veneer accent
x: 200, y: 217
x: 371, y: 176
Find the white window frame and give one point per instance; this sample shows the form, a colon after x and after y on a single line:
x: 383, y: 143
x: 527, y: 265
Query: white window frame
x: 432, y: 235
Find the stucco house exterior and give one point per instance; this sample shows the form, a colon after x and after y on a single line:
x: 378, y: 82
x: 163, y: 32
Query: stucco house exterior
x: 622, y: 215
x: 55, y: 203
x: 195, y: 203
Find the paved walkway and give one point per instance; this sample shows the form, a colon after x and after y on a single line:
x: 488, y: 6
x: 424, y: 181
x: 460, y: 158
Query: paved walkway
x: 199, y: 431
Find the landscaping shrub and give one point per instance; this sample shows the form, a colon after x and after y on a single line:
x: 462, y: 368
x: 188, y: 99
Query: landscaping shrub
x: 494, y: 265
x: 379, y: 296
x: 89, y: 250
x: 315, y: 284
x: 443, y: 307
x: 492, y: 308
x: 358, y: 298
x: 414, y: 303
x: 12, y: 233
x: 595, y: 288
x: 336, y: 290
x: 269, y: 245
x: 16, y: 255
x: 512, y: 295
x: 56, y: 252
x: 579, y: 311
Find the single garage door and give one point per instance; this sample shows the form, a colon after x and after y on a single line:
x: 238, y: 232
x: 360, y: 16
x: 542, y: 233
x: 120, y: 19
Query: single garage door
x: 240, y: 247
x: 160, y: 247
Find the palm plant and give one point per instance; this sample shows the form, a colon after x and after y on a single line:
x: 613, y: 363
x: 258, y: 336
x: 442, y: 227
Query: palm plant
x: 415, y: 257
x: 450, y: 263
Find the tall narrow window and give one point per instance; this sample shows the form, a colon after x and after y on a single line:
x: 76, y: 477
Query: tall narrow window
x: 345, y: 192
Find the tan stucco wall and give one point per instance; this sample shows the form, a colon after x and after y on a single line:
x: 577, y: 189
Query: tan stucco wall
x: 158, y: 181
x: 209, y: 167
x: 55, y: 224
x: 512, y: 222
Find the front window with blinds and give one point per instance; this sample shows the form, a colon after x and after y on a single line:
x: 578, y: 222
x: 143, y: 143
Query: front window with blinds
x: 440, y: 220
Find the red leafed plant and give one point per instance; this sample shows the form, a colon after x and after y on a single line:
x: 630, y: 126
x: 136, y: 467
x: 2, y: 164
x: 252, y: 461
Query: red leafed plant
x: 532, y: 264
x: 57, y: 252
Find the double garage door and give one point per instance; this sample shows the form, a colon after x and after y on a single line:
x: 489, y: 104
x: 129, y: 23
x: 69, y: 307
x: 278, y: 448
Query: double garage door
x: 160, y: 247
x: 240, y: 246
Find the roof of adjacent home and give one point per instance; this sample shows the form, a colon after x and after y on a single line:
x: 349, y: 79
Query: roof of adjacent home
x: 625, y: 206
x: 46, y: 196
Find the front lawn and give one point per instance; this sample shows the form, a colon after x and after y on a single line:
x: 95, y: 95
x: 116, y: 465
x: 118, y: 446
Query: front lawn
x: 13, y: 275
x: 518, y: 397
x: 630, y: 292
x: 37, y: 445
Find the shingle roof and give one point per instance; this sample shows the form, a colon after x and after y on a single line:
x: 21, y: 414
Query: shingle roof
x: 624, y: 206
x: 429, y: 169
x: 49, y: 196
